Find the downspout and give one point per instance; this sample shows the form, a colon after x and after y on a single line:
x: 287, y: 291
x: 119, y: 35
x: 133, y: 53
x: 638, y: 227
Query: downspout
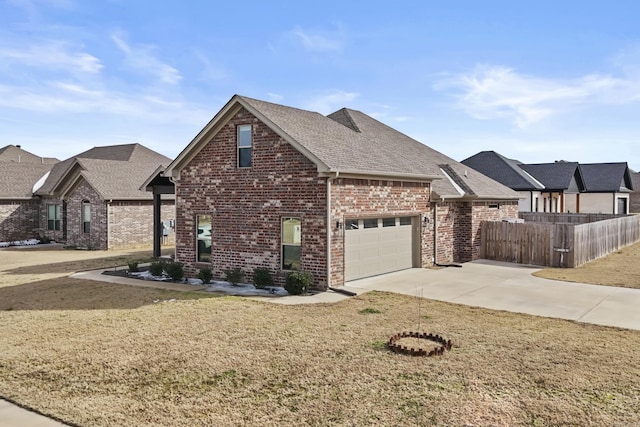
x: 435, y: 233
x: 329, y: 179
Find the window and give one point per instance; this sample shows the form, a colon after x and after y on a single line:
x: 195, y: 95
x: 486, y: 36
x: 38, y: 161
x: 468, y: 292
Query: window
x: 244, y: 146
x: 351, y: 224
x: 53, y: 217
x: 405, y: 220
x: 203, y: 239
x: 370, y: 223
x: 388, y: 222
x: 291, y: 237
x: 86, y: 216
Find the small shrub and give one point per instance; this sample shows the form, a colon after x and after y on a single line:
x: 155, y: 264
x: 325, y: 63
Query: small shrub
x: 174, y: 270
x: 133, y: 266
x: 298, y: 282
x: 205, y: 275
x: 262, y: 277
x: 156, y: 268
x: 234, y: 276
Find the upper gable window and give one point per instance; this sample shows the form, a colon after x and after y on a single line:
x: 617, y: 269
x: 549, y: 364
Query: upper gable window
x: 244, y: 146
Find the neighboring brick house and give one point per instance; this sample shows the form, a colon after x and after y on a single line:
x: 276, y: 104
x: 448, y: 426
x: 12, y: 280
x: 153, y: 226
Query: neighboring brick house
x: 93, y: 200
x: 560, y: 186
x: 19, y: 211
x: 342, y: 196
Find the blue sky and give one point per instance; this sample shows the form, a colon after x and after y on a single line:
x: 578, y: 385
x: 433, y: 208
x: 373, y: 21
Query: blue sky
x: 536, y: 81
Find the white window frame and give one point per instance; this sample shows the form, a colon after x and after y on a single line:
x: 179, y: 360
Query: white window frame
x: 54, y: 217
x: 244, y: 146
x: 86, y: 216
x: 295, y: 240
x: 203, y: 235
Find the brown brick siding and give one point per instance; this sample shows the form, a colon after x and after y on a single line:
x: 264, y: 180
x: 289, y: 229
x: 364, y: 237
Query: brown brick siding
x: 131, y: 223
x: 247, y: 204
x: 19, y: 219
x: 97, y: 237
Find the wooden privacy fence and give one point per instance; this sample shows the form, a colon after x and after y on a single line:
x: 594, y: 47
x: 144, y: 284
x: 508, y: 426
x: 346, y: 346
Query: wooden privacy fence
x: 559, y: 244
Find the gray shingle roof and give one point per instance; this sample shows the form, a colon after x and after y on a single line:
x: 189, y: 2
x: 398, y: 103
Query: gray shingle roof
x: 115, y: 172
x: 606, y: 177
x: 350, y: 142
x: 504, y: 170
x: 554, y: 176
x: 13, y: 153
x: 17, y: 179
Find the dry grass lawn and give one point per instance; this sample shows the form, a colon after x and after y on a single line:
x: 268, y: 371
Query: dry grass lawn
x: 621, y: 268
x: 98, y: 354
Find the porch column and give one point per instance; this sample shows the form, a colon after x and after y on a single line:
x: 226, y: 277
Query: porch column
x: 157, y: 225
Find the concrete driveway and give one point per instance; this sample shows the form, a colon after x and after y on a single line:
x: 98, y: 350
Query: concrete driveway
x: 512, y: 287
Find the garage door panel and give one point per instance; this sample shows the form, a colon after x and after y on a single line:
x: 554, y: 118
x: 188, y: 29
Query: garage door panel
x: 372, y: 251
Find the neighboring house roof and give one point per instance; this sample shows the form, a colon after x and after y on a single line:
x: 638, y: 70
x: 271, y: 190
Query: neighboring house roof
x: 606, y: 177
x: 14, y: 153
x: 20, y: 170
x: 17, y: 179
x: 115, y: 172
x: 504, y: 170
x: 350, y: 143
x: 557, y: 176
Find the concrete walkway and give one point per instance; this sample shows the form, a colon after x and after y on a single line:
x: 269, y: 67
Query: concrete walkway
x: 14, y: 416
x: 512, y: 287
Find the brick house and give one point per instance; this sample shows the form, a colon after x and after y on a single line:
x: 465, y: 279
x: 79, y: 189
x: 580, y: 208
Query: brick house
x: 93, y: 200
x: 342, y: 196
x: 20, y: 170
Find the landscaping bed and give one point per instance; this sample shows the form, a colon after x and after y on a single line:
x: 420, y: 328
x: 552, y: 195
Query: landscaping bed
x: 240, y: 289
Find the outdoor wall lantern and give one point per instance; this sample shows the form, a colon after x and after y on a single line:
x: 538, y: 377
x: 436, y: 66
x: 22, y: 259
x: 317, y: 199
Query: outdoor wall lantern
x: 338, y: 225
x: 426, y: 221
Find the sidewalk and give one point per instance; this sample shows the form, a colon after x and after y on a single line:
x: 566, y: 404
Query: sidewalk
x: 14, y: 416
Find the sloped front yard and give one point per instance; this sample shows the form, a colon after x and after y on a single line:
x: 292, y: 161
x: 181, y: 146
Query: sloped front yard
x: 111, y: 355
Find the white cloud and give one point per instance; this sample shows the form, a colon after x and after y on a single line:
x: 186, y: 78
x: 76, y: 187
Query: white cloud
x: 330, y: 102
x: 141, y: 58
x: 497, y: 92
x: 317, y: 42
x: 53, y: 55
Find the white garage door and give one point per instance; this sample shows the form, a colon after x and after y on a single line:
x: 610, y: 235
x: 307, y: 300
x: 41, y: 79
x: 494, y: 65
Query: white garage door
x: 376, y: 246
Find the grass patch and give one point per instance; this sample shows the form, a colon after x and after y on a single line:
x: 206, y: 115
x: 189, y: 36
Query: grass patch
x: 102, y: 355
x: 621, y: 269
x: 370, y: 310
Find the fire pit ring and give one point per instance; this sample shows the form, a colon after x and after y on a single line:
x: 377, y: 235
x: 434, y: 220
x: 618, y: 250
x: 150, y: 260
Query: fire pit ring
x: 438, y: 350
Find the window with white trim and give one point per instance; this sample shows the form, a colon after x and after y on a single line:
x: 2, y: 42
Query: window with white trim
x: 203, y: 238
x: 86, y: 216
x: 291, y: 239
x: 244, y: 146
x: 53, y: 217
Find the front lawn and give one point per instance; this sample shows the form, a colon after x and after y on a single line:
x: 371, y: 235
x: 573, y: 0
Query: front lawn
x: 100, y: 354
